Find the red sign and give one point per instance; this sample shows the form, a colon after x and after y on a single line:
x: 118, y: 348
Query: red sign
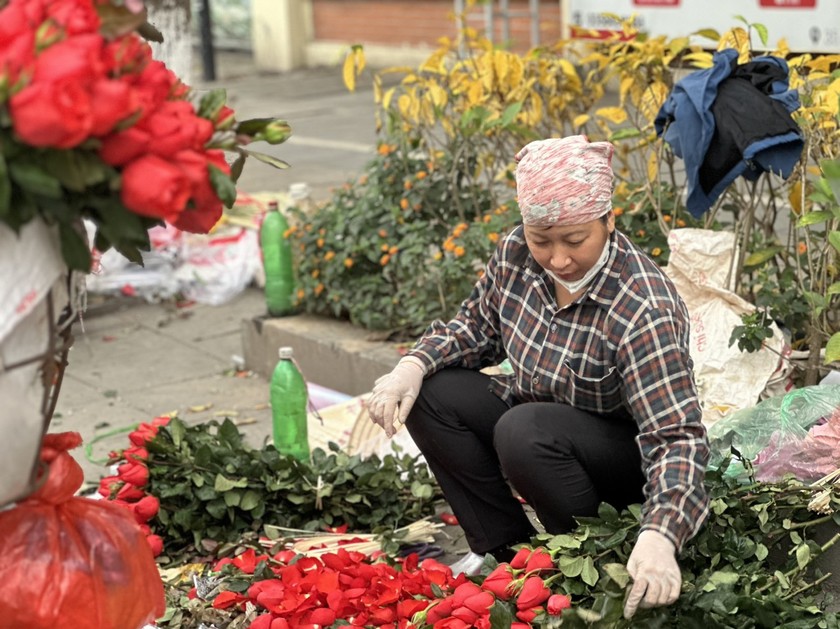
x: 658, y: 3
x: 788, y: 4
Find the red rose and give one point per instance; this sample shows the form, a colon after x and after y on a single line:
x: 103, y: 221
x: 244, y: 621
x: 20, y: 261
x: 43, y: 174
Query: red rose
x: 17, y: 42
x: 54, y: 114
x: 498, y: 582
x: 323, y: 616
x: 134, y: 473
x: 224, y: 118
x: 111, y: 102
x: 480, y: 602
x: 519, y: 559
x: 76, y: 17
x: 528, y: 615
x: 77, y: 59
x: 174, y: 126
x: 137, y: 453
x: 154, y: 187
x: 439, y: 611
x: 145, y: 432
x: 533, y: 593
x: 464, y: 591
x: 451, y: 623
x: 268, y: 621
x: 205, y: 209
x: 130, y: 493
x: 106, y: 484
x: 145, y: 509
x: 539, y: 560
x: 465, y: 615
x: 124, y: 146
x: 126, y: 55
x: 557, y: 603
x: 155, y: 543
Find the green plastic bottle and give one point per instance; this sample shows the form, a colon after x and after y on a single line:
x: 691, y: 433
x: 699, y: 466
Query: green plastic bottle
x: 277, y: 262
x: 289, y: 398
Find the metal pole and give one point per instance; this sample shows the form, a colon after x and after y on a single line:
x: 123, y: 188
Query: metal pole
x: 208, y: 55
x: 488, y: 21
x: 504, y: 11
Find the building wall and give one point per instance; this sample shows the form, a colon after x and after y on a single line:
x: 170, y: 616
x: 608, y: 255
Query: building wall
x: 411, y: 23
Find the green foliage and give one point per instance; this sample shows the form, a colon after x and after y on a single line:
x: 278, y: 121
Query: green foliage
x: 755, y: 329
x: 375, y: 252
x: 754, y: 563
x: 211, y: 486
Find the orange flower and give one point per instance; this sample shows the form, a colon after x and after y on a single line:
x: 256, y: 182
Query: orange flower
x: 322, y: 232
x: 407, y: 185
x: 459, y: 251
x: 393, y: 250
x: 421, y: 174
x: 363, y: 180
x: 384, y: 259
x: 460, y: 228
x: 319, y: 289
x: 656, y: 251
x: 448, y: 244
x: 404, y: 204
x: 320, y: 242
x: 384, y: 247
x: 417, y: 207
x: 801, y: 247
x: 618, y: 211
x: 438, y: 255
x: 315, y: 274
x: 667, y: 218
x: 348, y: 262
x: 641, y: 233
x: 385, y: 149
x: 329, y: 255
x: 487, y: 218
x: 680, y: 222
x: 300, y: 293
x: 288, y: 232
x: 382, y: 233
x: 493, y: 237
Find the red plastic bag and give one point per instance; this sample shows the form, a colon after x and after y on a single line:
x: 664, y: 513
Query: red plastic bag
x: 71, y: 562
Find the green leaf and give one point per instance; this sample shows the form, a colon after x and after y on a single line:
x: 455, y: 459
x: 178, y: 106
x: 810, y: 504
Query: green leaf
x: 232, y: 498
x: 510, y: 113
x: 625, y: 134
x: 76, y: 170
x: 761, y: 256
x: 761, y: 551
x: 589, y: 573
x: 217, y: 508
x: 225, y: 484
x: 834, y: 239
x: 177, y: 429
x: 211, y: 103
x: 708, y: 33
x: 223, y: 185
x: 501, y: 616
x: 831, y: 173
x: 563, y: 541
x: 74, y: 249
x: 782, y: 579
x: 813, y: 218
x: 832, y: 348
x: 421, y: 490
x: 618, y: 573
x: 229, y: 434
x: 762, y: 33
x: 571, y: 566
x: 35, y: 180
x: 250, y: 499
x: 267, y: 159
x: 834, y: 289
x: 724, y: 577
x: 803, y: 555
x: 237, y: 167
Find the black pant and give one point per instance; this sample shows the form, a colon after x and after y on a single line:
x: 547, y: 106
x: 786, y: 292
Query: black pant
x: 563, y: 462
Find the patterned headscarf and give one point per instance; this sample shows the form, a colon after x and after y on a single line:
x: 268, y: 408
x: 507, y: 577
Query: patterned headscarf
x: 564, y: 181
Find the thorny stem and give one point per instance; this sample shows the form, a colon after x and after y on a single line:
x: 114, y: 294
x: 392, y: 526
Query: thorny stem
x: 792, y: 571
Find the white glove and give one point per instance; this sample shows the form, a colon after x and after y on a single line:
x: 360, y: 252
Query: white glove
x: 394, y: 394
x: 656, y: 575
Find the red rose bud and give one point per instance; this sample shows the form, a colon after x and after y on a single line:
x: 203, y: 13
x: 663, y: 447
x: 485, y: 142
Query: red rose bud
x: 465, y: 614
x: 520, y: 558
x: 145, y: 432
x: 539, y: 560
x: 161, y: 420
x: 480, y: 602
x: 145, y: 509
x: 557, y: 603
x: 130, y: 493
x: 224, y: 118
x: 440, y: 611
x: 528, y: 615
x: 136, y: 453
x: 108, y: 485
x: 533, y: 593
x: 134, y: 473
x: 498, y: 582
x: 155, y: 543
x: 463, y: 592
x: 166, y: 199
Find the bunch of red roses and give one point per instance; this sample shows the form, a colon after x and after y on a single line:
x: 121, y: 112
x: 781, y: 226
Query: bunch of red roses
x: 126, y: 487
x: 308, y: 593
x: 92, y: 126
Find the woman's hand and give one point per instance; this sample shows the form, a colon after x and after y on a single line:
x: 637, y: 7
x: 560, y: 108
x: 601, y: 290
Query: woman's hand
x: 656, y: 575
x: 394, y: 394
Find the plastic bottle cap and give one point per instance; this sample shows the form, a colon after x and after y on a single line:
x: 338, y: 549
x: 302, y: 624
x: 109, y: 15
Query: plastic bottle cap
x: 273, y: 206
x: 286, y: 353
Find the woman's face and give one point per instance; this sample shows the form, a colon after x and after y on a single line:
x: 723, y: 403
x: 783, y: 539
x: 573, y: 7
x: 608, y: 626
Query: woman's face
x: 569, y: 251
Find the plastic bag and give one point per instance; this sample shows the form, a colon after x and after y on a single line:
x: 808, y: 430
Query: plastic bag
x: 74, y: 563
x: 797, y: 433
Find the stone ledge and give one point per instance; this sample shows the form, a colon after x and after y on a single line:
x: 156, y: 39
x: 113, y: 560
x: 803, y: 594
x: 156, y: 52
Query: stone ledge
x: 334, y: 354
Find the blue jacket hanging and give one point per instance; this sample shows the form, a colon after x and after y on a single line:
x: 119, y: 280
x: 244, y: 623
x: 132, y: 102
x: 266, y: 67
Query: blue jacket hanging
x: 731, y: 120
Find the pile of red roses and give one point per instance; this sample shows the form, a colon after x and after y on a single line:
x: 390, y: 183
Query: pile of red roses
x: 92, y: 126
x: 126, y: 487
x: 309, y: 592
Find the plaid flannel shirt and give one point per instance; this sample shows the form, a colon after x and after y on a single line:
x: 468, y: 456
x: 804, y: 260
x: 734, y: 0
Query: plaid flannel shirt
x: 622, y: 345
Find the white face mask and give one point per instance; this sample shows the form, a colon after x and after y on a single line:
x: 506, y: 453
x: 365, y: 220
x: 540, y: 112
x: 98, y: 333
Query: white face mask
x: 578, y: 285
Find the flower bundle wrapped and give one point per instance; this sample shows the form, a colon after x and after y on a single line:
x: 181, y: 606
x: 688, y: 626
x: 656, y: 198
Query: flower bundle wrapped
x: 91, y: 126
